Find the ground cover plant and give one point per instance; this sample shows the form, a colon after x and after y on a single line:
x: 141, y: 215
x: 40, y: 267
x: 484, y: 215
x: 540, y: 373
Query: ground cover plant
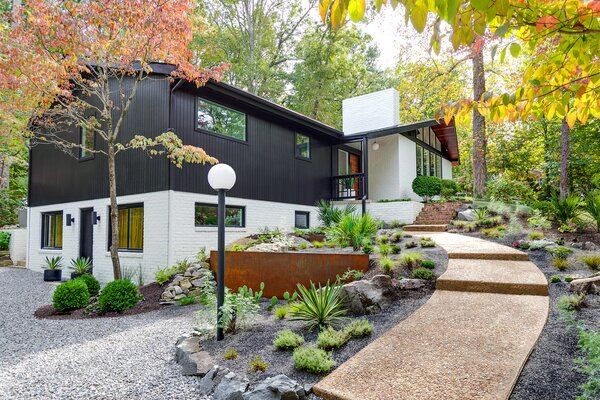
x: 330, y: 339
x: 287, y: 340
x: 313, y: 360
x: 589, y: 344
x: 4, y: 240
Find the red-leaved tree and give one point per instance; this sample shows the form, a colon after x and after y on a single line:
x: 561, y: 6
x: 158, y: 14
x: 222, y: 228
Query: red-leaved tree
x: 66, y: 64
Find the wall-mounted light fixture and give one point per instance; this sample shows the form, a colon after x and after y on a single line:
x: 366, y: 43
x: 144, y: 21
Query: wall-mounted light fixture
x: 375, y: 146
x: 95, y: 218
x: 70, y: 220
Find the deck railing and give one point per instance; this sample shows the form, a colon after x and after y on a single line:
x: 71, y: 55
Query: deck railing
x: 348, y: 186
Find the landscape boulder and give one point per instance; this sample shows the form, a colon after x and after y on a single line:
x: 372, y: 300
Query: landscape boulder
x: 212, y: 379
x: 467, y: 215
x: 410, y: 284
x: 279, y: 387
x: 191, y: 357
x: 281, y: 244
x: 368, y: 296
x: 191, y: 283
x: 589, y: 285
x: 231, y: 387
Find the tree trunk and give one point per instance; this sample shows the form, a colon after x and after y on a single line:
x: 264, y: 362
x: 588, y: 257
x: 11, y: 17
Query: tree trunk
x: 564, y: 160
x: 4, y: 171
x: 479, y: 140
x: 114, y: 212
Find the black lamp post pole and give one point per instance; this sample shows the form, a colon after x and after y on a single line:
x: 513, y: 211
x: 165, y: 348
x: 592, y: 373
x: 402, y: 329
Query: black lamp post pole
x: 221, y: 267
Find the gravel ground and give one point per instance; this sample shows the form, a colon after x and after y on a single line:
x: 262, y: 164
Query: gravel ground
x: 106, y: 358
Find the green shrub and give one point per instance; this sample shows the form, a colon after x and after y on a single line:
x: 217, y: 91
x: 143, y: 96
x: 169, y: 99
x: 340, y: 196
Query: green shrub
x: 313, y: 360
x: 560, y: 263
x: 384, y: 249
x: 383, y: 239
x: 4, y: 240
x: 396, y: 249
x: 535, y: 235
x: 92, y: 284
x: 118, y: 296
x: 507, y: 190
x: 423, y: 273
x: 330, y: 215
x: 560, y: 252
x: 449, y: 188
x: 539, y: 221
x: 428, y: 264
x: 567, y: 210
x: 330, y: 339
x: 287, y: 340
x: 568, y: 278
x: 367, y: 249
x: 387, y: 265
x: 353, y: 230
x: 589, y: 344
x: 257, y: 364
x: 397, y: 236
x: 592, y: 261
x: 411, y: 244
x: 411, y: 260
x: 187, y: 301
x: 555, y: 279
x: 320, y: 307
x: 592, y: 206
x: 427, y: 186
x: 71, y: 295
x: 359, y: 328
x: 427, y: 242
x: 317, y: 245
x: 281, y: 312
x: 231, y: 354
x: 572, y: 302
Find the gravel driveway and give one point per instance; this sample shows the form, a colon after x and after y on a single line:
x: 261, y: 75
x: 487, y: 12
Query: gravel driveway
x: 106, y: 358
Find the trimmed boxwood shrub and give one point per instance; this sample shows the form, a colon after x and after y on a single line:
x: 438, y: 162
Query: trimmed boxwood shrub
x: 118, y: 296
x: 92, y: 284
x: 427, y: 186
x: 71, y: 295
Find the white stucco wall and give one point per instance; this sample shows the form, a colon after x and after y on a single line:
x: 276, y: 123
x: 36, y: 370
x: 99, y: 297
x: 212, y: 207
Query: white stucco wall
x: 407, y: 150
x: 371, y: 111
x: 18, y: 245
x: 446, y: 169
x: 384, y: 171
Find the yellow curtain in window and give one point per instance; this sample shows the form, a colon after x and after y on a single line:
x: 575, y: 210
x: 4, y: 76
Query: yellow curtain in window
x: 123, y: 227
x: 136, y: 228
x: 59, y: 230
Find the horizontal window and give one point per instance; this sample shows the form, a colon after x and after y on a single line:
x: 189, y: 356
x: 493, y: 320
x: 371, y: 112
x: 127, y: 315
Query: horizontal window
x: 206, y: 215
x: 220, y: 120
x: 52, y: 230
x: 302, y: 146
x: 131, y: 227
x: 302, y: 219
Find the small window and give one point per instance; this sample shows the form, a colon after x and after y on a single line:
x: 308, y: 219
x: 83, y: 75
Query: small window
x: 302, y: 146
x: 302, y: 219
x: 221, y: 120
x: 131, y: 228
x: 52, y: 230
x: 86, y: 139
x: 206, y: 215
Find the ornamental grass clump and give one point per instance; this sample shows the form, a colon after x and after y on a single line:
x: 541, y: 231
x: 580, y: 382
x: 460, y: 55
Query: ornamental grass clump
x: 287, y: 340
x: 412, y: 244
x: 258, y: 364
x: 592, y: 261
x: 281, y: 312
x: 426, y: 242
x: 535, y: 235
x: 330, y: 339
x: 313, y: 360
x: 319, y: 308
x: 71, y: 295
x: 572, y: 302
x: 118, y: 296
x: 396, y: 249
x: 397, y: 236
x: 384, y: 249
x: 387, y: 265
x: 359, y: 328
x: 567, y: 210
x: 411, y: 260
x: 231, y: 354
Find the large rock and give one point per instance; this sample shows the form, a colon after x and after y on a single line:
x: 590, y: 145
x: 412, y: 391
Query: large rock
x: 212, y: 379
x: 540, y: 244
x: 192, y: 359
x: 467, y: 215
x: 231, y: 387
x: 279, y: 387
x: 587, y: 285
x: 368, y: 296
x: 281, y: 244
x: 411, y: 284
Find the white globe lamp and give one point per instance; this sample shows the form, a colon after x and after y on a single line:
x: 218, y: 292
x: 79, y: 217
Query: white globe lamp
x: 375, y: 146
x: 221, y: 177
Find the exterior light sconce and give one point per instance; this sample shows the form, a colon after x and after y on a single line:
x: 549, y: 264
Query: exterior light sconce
x: 375, y: 146
x: 70, y: 220
x: 95, y: 218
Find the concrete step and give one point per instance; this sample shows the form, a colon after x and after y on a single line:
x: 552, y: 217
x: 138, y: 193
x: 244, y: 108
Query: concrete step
x: 425, y: 228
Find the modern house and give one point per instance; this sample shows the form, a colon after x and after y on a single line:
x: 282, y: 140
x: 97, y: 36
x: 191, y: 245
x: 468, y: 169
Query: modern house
x: 285, y: 162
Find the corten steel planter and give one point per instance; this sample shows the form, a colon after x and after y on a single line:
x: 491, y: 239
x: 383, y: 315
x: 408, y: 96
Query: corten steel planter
x: 282, y: 271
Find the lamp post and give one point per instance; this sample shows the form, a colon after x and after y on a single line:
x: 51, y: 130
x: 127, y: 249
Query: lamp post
x: 221, y: 178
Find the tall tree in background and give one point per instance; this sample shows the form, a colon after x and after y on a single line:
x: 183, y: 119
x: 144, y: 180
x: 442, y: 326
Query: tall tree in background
x: 479, y: 134
x: 564, y: 160
x: 79, y: 64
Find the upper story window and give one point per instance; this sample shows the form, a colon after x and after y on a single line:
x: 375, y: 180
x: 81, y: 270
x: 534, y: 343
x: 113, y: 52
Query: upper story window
x: 131, y: 227
x: 206, y: 215
x: 52, y: 230
x: 302, y: 146
x: 86, y: 140
x: 221, y: 120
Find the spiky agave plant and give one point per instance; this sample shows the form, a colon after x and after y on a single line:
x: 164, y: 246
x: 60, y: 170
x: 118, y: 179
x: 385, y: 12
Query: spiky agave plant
x: 81, y: 265
x: 330, y: 215
x: 352, y: 230
x: 319, y: 307
x: 592, y: 206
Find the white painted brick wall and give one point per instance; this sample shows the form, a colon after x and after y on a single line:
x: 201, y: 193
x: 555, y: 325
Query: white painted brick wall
x: 404, y: 211
x: 384, y: 169
x: 371, y: 111
x: 446, y: 169
x: 18, y: 244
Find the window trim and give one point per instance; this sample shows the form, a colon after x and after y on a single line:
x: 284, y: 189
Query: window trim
x: 92, y: 154
x: 218, y: 134
x: 126, y: 250
x: 307, y: 214
x: 45, y: 227
x: 202, y: 204
x: 296, y: 153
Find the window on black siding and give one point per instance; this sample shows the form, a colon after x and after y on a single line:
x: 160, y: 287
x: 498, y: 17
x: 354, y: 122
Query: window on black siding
x: 302, y: 146
x: 302, y: 219
x: 52, y: 230
x: 206, y: 215
x: 221, y: 120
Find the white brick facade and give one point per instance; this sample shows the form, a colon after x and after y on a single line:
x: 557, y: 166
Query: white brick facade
x: 404, y: 211
x: 371, y: 111
x: 169, y: 231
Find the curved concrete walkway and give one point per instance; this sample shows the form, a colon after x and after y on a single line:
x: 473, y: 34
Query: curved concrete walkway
x: 469, y: 341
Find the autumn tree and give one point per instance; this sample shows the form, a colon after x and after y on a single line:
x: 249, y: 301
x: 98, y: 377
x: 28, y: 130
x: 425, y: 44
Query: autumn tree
x: 79, y: 64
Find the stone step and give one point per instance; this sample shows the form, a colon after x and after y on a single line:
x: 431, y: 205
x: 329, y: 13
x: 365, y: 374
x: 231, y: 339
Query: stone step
x: 468, y: 255
x: 6, y: 263
x: 425, y: 228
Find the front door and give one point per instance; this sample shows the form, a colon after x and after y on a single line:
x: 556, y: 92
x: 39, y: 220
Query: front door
x: 86, y: 234
x: 354, y: 164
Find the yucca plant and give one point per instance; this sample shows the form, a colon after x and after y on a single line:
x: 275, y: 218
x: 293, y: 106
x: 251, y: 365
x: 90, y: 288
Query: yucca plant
x: 592, y: 206
x: 352, y: 230
x: 81, y: 265
x: 567, y: 210
x: 54, y: 263
x: 330, y: 215
x: 481, y: 213
x: 320, y: 307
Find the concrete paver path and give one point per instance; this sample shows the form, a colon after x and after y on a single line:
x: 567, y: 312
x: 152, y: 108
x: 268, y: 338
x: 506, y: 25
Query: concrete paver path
x: 469, y: 341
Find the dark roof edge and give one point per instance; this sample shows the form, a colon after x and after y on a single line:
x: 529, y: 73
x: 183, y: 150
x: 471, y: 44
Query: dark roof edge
x: 394, y: 129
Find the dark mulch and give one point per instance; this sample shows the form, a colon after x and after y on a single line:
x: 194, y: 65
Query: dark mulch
x: 150, y: 292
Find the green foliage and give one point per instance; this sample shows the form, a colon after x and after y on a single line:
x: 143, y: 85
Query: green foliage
x: 589, y: 344
x: 240, y: 308
x: 592, y: 206
x: 359, y: 328
x: 539, y: 221
x: 317, y: 245
x: 572, y: 302
x: 92, y: 284
x: 238, y: 247
x: 367, y: 249
x: 303, y: 246
x: 330, y: 215
x: 449, y: 188
x: 353, y: 230
x: 427, y: 186
x: 330, y: 339
x: 351, y: 275
x: 423, y: 273
x: 395, y: 224
x: 320, y: 307
x: 412, y: 244
x: 281, y: 312
x: 427, y: 242
x: 384, y: 249
x: 187, y: 301
x: 535, y: 235
x: 81, y: 265
x: 560, y: 264
x: 231, y: 354
x: 257, y: 364
x: 560, y: 252
x: 428, y: 264
x: 497, y: 232
x: 411, y: 260
x: 290, y: 298
x: 568, y: 210
x: 54, y: 263
x: 397, y: 236
x: 568, y: 278
x: 396, y: 249
x: 273, y: 303
x: 555, y: 279
x: 383, y: 239
x: 313, y: 360
x: 71, y: 295
x: 4, y: 240
x: 592, y: 261
x: 287, y: 340
x: 481, y: 214
x: 162, y: 276
x: 387, y: 265
x: 118, y: 296
x: 507, y: 190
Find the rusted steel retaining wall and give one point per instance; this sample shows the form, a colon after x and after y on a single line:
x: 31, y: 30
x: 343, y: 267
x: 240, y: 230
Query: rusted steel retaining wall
x: 282, y: 271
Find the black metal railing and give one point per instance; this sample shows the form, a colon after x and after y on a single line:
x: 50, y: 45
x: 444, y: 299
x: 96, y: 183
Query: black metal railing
x: 348, y: 186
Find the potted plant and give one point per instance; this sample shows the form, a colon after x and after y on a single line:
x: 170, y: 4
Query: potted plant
x: 53, y: 271
x: 80, y: 266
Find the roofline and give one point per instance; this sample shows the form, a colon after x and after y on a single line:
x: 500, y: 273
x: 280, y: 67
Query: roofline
x: 392, y: 130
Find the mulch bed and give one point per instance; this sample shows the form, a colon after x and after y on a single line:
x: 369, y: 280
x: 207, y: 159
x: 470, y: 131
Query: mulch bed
x: 150, y: 292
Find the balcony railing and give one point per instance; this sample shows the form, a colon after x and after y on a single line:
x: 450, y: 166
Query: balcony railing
x: 348, y: 186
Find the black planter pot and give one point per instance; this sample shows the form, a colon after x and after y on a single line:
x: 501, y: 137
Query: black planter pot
x: 52, y: 275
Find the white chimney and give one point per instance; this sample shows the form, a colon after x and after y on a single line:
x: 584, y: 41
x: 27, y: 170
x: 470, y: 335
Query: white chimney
x: 371, y: 111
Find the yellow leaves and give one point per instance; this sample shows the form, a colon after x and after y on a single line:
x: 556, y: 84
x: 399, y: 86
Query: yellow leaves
x: 337, y: 15
x: 323, y: 9
x: 356, y: 9
x: 571, y: 117
x: 418, y: 15
x: 514, y: 49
